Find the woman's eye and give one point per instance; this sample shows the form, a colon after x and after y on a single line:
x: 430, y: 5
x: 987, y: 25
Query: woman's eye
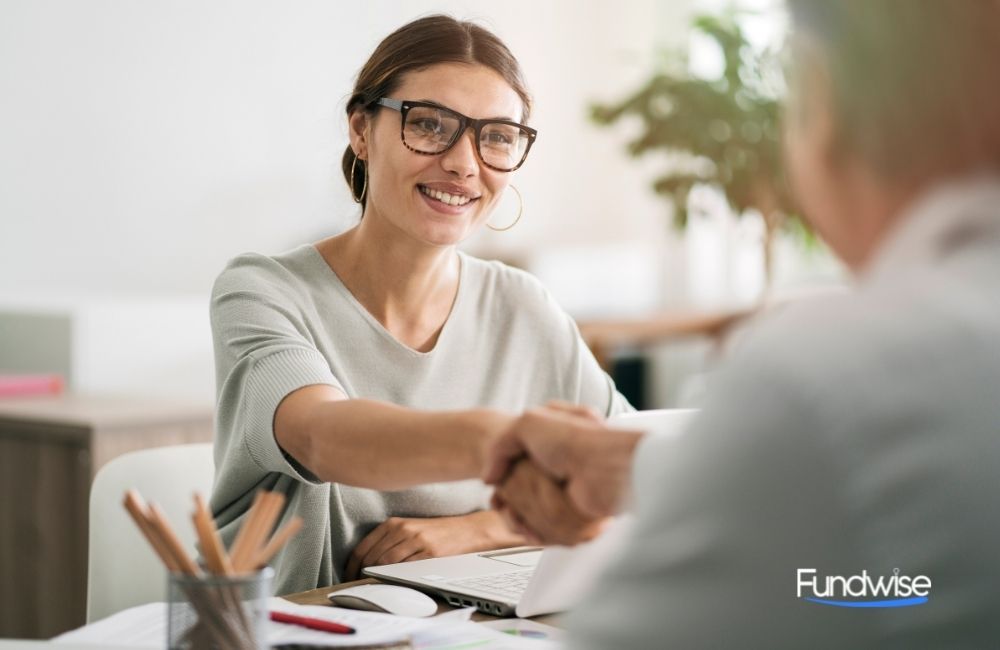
x: 427, y: 125
x: 497, y: 138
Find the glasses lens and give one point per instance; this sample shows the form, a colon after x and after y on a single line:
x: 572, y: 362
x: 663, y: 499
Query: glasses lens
x: 429, y: 130
x: 502, y: 145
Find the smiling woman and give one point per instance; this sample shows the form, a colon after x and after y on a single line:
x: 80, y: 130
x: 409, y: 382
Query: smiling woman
x: 366, y: 375
x: 463, y: 165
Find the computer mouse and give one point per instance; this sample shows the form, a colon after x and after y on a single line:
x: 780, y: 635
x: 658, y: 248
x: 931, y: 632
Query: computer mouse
x: 391, y: 599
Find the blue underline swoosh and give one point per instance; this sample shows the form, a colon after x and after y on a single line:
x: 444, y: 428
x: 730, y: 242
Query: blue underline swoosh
x: 898, y: 602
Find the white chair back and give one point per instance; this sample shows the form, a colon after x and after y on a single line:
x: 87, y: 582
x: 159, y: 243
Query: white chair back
x: 123, y: 571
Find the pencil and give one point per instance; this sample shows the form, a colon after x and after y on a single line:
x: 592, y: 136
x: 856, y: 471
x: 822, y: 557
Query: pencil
x: 137, y: 509
x: 279, y: 539
x: 260, y: 527
x: 218, y: 609
x: 239, y: 547
x: 215, y: 553
x: 174, y: 545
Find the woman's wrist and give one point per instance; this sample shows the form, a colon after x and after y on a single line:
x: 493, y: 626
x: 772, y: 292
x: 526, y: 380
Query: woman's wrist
x: 479, y: 429
x: 494, y: 531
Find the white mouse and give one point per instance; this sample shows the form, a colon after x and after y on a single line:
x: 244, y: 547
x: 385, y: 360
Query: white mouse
x: 401, y: 601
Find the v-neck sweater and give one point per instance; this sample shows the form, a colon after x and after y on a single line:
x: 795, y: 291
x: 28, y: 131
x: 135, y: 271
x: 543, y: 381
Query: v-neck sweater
x: 283, y: 322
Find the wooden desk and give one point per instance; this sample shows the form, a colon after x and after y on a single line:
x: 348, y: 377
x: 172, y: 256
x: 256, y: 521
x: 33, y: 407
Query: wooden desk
x: 50, y: 450
x: 318, y: 597
x: 601, y: 336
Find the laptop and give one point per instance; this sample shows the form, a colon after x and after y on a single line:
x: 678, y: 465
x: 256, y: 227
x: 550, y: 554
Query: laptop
x: 529, y: 581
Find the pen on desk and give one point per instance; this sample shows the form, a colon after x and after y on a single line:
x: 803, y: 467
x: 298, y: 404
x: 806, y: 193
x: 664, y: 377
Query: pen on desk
x: 311, y: 623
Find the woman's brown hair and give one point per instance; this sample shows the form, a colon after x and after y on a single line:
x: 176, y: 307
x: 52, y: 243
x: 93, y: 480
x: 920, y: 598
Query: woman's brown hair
x: 419, y: 44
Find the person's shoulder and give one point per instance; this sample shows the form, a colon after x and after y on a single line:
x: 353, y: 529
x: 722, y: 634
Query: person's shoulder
x: 258, y: 272
x: 786, y: 383
x: 811, y: 323
x: 504, y: 282
x: 506, y: 294
x: 834, y: 346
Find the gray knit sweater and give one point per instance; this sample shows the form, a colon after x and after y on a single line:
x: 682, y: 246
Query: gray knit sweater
x: 284, y: 322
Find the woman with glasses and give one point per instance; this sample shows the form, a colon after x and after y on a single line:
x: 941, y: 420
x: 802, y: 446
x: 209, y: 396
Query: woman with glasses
x: 366, y: 375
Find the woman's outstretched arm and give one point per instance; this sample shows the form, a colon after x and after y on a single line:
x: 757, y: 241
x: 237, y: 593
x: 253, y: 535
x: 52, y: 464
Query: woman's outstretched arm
x: 377, y: 445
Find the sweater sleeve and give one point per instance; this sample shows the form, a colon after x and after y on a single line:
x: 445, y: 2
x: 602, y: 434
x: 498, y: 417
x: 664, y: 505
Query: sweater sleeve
x: 597, y: 389
x: 592, y: 385
x: 263, y: 351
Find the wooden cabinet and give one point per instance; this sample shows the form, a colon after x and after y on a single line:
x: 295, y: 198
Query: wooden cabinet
x: 50, y: 450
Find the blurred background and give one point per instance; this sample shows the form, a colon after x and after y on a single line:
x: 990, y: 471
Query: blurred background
x: 143, y: 144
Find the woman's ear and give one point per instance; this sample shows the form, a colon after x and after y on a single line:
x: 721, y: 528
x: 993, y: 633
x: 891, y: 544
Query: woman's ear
x: 359, y: 126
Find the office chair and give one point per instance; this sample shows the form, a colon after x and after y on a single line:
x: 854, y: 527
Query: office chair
x: 123, y: 571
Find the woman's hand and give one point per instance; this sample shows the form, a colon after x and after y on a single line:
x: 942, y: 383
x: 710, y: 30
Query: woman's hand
x: 592, y: 463
x: 537, y: 507
x: 401, y: 539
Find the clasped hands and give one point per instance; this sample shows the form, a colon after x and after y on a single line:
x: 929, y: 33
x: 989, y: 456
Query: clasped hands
x: 559, y: 473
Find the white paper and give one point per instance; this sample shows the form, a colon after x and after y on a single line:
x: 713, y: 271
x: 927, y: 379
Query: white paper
x: 370, y: 627
x: 145, y: 627
x: 526, y: 627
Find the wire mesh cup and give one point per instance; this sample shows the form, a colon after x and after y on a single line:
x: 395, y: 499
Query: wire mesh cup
x: 210, y: 612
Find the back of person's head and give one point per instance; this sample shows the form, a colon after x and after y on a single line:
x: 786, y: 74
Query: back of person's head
x: 417, y: 45
x: 915, y: 83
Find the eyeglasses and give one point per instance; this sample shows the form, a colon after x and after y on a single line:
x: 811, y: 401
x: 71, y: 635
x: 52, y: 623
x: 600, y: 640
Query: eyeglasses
x: 431, y: 129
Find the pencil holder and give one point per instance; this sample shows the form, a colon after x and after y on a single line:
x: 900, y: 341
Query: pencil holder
x: 215, y: 612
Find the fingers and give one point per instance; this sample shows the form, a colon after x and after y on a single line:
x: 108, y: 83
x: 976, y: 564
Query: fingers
x: 593, y: 503
x: 602, y: 481
x: 542, y: 434
x: 512, y: 521
x: 403, y: 539
x: 388, y: 543
x: 579, y: 410
x: 362, y: 549
x: 539, y: 506
x: 392, y: 548
x: 420, y: 555
x: 517, y: 526
x: 507, y: 449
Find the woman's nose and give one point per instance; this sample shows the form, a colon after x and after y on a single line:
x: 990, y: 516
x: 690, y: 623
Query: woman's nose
x: 461, y: 159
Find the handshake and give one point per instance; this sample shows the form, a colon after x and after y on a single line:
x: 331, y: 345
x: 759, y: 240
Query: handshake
x: 559, y: 473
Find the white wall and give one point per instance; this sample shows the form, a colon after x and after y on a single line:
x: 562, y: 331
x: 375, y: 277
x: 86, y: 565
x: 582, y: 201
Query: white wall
x: 143, y: 143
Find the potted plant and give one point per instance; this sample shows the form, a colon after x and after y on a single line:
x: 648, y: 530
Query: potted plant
x: 723, y: 131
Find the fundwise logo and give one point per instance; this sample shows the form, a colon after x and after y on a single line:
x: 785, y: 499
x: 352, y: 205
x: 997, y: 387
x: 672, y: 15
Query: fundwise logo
x: 863, y: 590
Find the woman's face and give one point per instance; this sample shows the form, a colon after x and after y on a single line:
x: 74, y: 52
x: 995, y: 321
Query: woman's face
x: 401, y: 182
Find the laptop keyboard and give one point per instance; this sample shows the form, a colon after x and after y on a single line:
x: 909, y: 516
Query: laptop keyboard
x: 509, y: 586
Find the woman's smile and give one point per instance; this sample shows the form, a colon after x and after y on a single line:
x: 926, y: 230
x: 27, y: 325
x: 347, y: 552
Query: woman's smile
x: 449, y: 199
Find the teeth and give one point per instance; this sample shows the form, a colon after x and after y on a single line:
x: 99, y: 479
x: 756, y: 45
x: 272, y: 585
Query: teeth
x: 444, y: 197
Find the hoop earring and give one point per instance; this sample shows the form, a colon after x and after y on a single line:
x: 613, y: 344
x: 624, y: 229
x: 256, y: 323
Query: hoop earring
x: 364, y: 186
x: 520, y: 209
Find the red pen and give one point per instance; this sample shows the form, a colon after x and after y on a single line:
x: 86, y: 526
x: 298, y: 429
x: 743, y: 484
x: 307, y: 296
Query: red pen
x: 312, y: 623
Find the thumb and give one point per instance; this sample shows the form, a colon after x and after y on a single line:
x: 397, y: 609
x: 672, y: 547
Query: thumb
x: 505, y: 450
x: 578, y: 410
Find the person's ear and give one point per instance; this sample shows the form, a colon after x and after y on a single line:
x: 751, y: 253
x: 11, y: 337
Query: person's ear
x: 359, y: 126
x: 815, y: 111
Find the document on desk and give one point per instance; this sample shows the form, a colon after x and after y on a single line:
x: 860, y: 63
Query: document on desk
x: 145, y: 626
